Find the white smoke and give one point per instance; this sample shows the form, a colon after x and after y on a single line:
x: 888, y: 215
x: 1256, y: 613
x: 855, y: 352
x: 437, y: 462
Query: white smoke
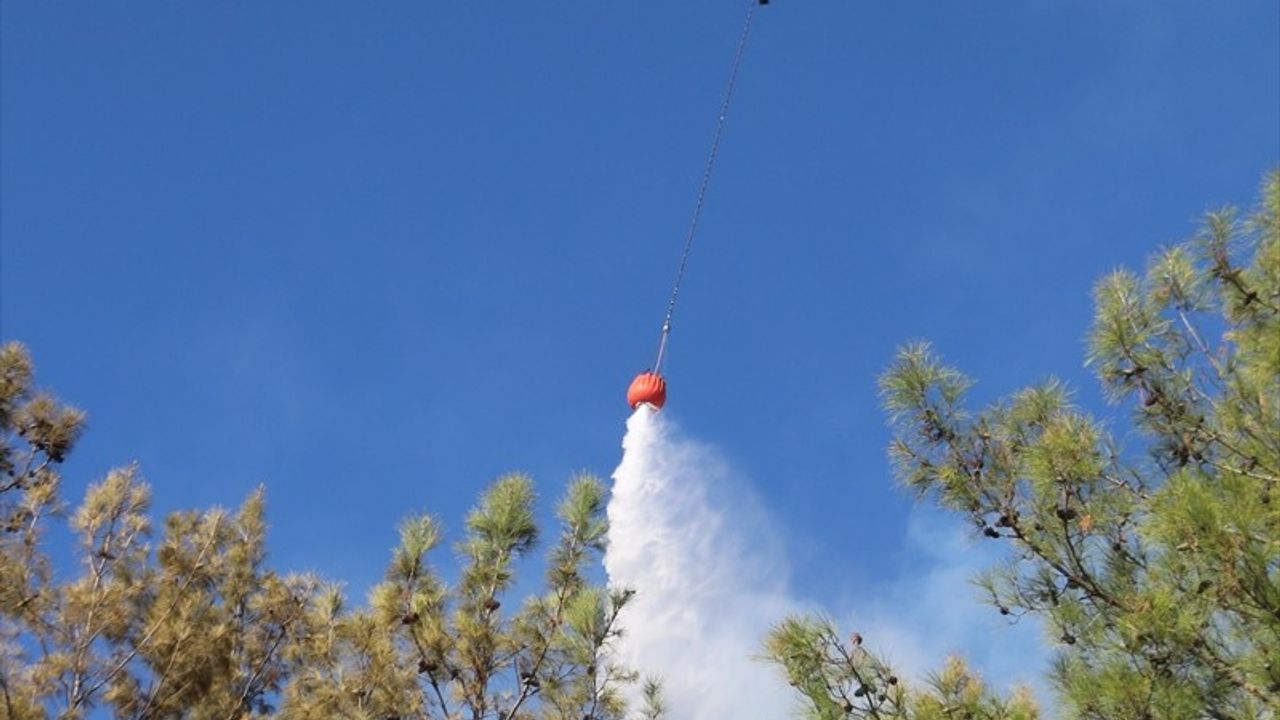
x: 711, y: 579
x: 707, y: 591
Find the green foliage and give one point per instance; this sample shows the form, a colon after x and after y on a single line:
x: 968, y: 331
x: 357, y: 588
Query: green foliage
x: 839, y: 679
x: 190, y: 622
x: 1156, y: 568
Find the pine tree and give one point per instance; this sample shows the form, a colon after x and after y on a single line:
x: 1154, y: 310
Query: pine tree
x: 840, y: 679
x: 1157, y: 567
x: 191, y: 622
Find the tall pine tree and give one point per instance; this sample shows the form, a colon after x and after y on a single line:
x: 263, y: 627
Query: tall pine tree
x: 190, y: 622
x: 1157, y: 568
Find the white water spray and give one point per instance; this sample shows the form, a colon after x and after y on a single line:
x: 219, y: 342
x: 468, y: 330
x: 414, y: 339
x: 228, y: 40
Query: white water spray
x: 711, y: 579
x: 708, y: 574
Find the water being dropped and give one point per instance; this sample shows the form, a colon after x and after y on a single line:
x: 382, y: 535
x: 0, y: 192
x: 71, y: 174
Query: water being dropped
x: 709, y: 578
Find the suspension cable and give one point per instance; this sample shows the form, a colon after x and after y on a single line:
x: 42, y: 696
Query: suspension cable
x: 702, y: 186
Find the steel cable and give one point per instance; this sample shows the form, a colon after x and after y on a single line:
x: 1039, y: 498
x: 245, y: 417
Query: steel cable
x: 702, y: 186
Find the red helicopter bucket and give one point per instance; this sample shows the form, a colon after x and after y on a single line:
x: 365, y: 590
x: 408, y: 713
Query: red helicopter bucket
x: 649, y: 388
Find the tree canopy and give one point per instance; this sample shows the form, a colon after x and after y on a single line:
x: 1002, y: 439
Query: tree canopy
x: 1150, y: 550
x: 188, y: 620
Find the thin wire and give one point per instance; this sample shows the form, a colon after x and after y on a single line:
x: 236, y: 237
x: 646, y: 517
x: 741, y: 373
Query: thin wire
x: 706, y: 181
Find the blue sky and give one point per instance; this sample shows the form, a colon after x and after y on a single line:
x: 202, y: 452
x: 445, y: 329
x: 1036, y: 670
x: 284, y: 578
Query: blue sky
x: 373, y: 255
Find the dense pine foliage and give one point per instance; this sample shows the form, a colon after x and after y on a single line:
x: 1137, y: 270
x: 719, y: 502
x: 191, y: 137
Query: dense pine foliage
x: 1152, y: 549
x: 188, y: 621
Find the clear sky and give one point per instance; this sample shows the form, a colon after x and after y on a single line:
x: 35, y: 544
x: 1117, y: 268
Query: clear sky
x: 374, y: 254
